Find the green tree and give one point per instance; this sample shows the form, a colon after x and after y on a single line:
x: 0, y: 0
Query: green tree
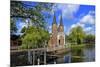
x: 23, y: 10
x: 23, y: 29
x: 34, y: 12
x: 89, y: 38
x: 34, y: 38
x: 76, y: 35
x: 13, y: 28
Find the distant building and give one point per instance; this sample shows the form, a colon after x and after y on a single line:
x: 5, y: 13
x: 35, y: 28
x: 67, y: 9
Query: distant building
x: 15, y: 42
x: 57, y: 37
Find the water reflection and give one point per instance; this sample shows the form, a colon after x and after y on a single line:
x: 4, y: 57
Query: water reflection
x: 89, y: 54
x: 77, y: 55
x: 86, y: 54
x: 67, y: 58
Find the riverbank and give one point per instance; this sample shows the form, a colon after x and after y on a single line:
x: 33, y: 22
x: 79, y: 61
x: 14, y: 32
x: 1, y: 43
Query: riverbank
x: 74, y: 46
x: 77, y: 46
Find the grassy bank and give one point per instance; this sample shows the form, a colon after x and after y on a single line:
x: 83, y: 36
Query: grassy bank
x: 77, y: 46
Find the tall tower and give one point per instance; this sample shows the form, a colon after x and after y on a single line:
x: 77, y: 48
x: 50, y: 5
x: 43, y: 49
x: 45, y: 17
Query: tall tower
x: 54, y: 32
x: 57, y: 37
x: 61, y: 27
x: 61, y: 36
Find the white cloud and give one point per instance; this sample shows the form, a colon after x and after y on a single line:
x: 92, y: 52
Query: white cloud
x: 88, y: 19
x: 77, y: 24
x: 90, y: 30
x: 73, y: 25
x: 68, y: 10
x: 21, y: 25
x: 50, y: 28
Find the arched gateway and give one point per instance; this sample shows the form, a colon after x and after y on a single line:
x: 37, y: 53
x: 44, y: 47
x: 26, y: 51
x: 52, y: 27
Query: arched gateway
x: 57, y: 37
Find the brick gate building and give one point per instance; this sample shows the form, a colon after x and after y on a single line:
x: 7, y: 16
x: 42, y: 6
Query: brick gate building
x: 57, y: 37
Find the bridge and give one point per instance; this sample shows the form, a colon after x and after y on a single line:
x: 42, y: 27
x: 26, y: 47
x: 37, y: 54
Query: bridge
x: 37, y: 49
x: 50, y: 52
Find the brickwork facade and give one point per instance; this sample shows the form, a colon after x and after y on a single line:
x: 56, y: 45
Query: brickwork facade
x: 57, y: 37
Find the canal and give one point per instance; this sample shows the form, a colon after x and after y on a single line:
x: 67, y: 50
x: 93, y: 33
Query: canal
x: 84, y: 54
x: 76, y: 54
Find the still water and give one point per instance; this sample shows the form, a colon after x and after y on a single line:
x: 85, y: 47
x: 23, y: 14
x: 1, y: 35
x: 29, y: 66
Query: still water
x: 86, y: 54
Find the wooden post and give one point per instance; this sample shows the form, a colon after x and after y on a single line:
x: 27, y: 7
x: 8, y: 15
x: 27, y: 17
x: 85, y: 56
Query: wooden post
x: 33, y: 57
x: 54, y: 62
x: 38, y: 61
x: 44, y: 57
x: 29, y: 57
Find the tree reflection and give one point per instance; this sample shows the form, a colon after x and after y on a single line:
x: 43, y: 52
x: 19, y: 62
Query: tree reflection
x: 77, y: 55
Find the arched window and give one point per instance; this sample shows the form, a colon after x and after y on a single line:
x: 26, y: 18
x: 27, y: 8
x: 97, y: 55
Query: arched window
x: 59, y: 42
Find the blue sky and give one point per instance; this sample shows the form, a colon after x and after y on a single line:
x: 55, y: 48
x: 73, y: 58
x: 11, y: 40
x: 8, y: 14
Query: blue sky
x: 73, y: 15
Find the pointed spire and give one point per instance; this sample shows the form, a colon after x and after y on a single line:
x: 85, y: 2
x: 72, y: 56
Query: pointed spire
x: 54, y: 19
x: 61, y: 22
x: 61, y: 27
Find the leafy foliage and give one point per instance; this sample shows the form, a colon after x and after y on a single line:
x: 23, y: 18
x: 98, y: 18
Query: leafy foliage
x: 35, y: 34
x: 13, y: 27
x: 24, y: 10
x: 90, y: 38
x: 34, y: 38
x: 76, y: 35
